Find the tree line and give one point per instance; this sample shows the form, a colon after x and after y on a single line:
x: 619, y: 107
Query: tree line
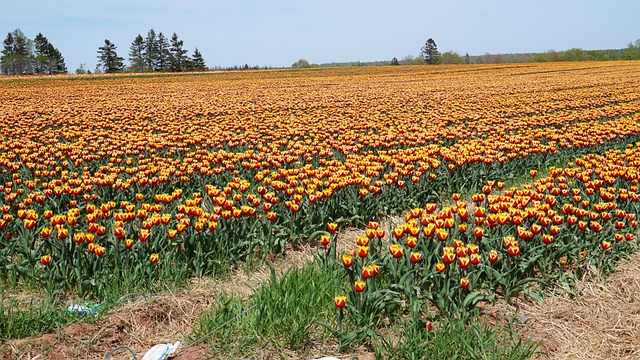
x: 24, y: 56
x: 153, y: 53
x: 429, y: 54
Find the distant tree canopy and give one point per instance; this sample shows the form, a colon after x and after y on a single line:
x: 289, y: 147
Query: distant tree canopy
x: 430, y: 52
x: 157, y: 53
x: 21, y: 56
x: 300, y: 64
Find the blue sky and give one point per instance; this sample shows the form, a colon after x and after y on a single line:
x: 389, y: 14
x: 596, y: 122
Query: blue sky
x: 279, y: 32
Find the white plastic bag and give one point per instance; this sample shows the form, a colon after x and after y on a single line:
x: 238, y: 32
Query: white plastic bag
x: 161, y: 351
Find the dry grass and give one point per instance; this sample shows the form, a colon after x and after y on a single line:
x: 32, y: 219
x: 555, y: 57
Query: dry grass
x: 603, y: 322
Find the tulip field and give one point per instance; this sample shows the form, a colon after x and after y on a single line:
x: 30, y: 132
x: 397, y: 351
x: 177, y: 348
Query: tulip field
x: 509, y: 179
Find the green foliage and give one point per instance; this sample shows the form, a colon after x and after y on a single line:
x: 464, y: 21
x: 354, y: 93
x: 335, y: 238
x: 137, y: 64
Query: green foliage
x: 19, y: 319
x: 301, y: 64
x: 285, y: 311
x: 452, y: 339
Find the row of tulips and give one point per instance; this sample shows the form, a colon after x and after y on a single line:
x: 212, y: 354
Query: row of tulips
x: 503, y: 243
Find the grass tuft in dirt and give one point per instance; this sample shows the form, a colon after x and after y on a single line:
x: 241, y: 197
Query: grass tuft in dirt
x: 282, y: 315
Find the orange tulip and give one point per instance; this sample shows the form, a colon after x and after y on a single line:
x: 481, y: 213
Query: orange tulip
x: 347, y: 260
x: 362, y: 240
x: 45, y: 260
x: 465, y: 283
x: 493, y: 256
x: 475, y: 258
x: 367, y: 272
x: 411, y: 241
x: 363, y: 251
x: 396, y: 250
x: 153, y: 258
x: 340, y: 301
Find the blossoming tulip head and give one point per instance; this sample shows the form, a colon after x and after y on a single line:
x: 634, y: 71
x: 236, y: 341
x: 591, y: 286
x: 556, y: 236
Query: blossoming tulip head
x: 153, y: 258
x: 493, y: 256
x: 362, y: 240
x: 411, y: 241
x: 396, y: 250
x: 340, y: 301
x: 463, y: 262
x: 415, y: 257
x: 347, y: 260
x: 325, y: 240
x: 332, y: 227
x: 376, y: 269
x: 465, y: 283
x: 440, y: 267
x: 363, y: 251
x: 359, y: 286
x: 475, y: 258
x: 367, y: 272
x: 45, y: 260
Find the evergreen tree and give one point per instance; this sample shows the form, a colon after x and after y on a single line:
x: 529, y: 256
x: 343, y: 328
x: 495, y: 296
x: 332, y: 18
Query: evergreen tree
x: 430, y: 52
x: 162, y: 60
x: 48, y: 59
x: 178, y: 57
x: 137, y: 54
x: 16, y: 55
x: 108, y: 58
x: 196, y: 63
x: 151, y: 50
x: 7, y: 55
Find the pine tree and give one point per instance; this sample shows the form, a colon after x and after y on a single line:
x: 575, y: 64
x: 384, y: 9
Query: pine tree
x: 151, y: 50
x: 7, y: 55
x: 196, y: 63
x: 137, y: 54
x: 162, y: 60
x: 178, y: 57
x: 430, y: 52
x: 48, y: 59
x: 17, y: 55
x: 108, y: 58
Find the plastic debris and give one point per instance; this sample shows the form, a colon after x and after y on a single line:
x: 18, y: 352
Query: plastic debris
x: 83, y: 309
x: 161, y: 351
